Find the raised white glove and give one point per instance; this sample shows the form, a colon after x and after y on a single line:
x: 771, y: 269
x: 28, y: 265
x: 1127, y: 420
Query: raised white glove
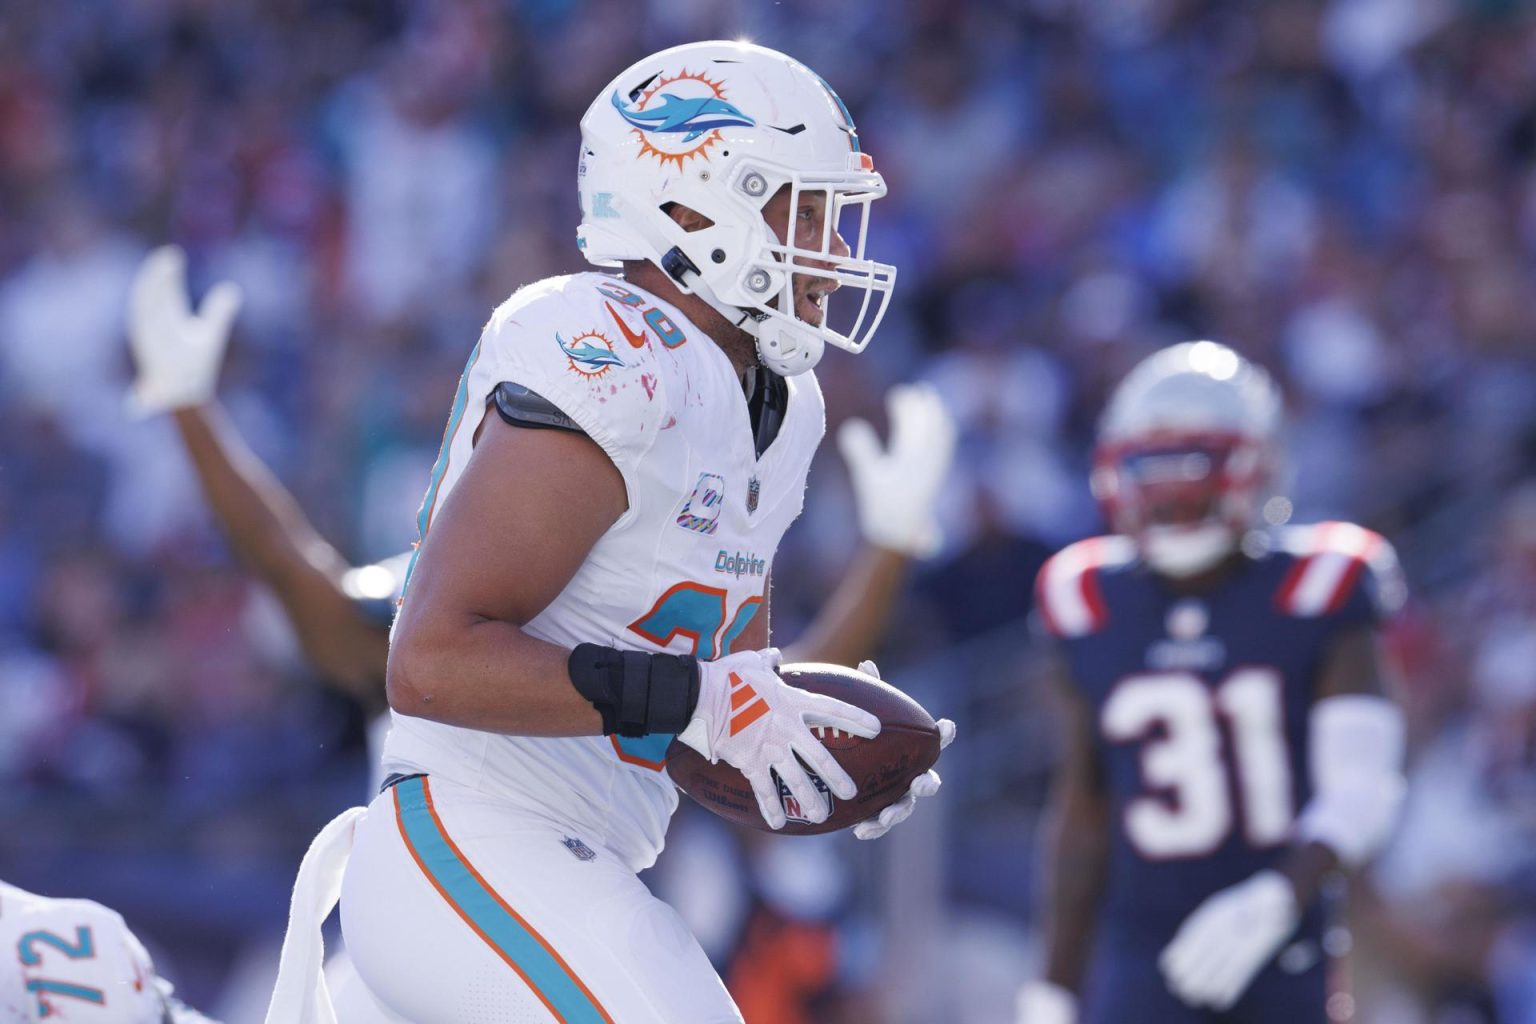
x: 1228, y: 938
x: 754, y: 721
x: 925, y: 784
x: 897, y: 487
x: 177, y: 352
x: 1041, y: 1002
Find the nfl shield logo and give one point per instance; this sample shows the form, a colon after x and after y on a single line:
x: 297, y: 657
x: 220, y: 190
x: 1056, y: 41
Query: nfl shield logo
x: 753, y: 490
x: 579, y: 849
x: 792, y: 809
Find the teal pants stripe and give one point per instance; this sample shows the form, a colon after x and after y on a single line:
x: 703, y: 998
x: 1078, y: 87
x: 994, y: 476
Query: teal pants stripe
x: 500, y: 926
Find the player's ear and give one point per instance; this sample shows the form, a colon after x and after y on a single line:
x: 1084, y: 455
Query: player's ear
x: 686, y: 217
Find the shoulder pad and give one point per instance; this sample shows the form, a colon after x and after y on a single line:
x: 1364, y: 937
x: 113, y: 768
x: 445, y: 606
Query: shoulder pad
x: 1067, y: 589
x: 1338, y: 564
x: 523, y: 407
x: 568, y: 346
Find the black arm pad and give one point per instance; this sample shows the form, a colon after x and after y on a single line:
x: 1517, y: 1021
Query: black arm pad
x: 524, y: 408
x: 636, y: 693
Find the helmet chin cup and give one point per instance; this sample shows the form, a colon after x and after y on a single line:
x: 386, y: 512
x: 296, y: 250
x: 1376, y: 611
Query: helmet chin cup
x: 1187, y: 550
x: 785, y: 350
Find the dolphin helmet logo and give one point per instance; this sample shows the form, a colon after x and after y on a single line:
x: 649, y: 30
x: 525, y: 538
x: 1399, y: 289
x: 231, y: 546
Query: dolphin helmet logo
x: 680, y: 116
x: 590, y: 354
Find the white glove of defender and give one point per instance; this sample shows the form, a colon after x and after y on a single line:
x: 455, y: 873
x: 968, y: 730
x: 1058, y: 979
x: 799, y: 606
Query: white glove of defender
x: 1228, y: 939
x: 1041, y: 1002
x: 177, y: 352
x: 754, y: 721
x: 897, y: 487
x: 925, y: 784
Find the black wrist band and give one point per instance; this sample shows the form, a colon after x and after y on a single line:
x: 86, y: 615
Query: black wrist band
x: 636, y: 693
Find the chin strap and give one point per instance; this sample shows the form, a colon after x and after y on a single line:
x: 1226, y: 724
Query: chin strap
x: 684, y: 272
x: 676, y: 265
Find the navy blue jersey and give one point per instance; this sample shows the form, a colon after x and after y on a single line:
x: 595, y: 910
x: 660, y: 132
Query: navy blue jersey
x: 1201, y: 703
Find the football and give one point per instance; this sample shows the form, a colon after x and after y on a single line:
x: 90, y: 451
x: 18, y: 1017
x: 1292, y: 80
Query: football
x: 882, y: 768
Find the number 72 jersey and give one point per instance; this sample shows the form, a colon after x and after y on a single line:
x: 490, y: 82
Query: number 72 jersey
x: 1200, y: 704
x: 71, y: 960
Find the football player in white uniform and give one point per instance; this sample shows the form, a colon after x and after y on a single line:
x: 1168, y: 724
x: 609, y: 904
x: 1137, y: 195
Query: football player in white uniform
x: 622, y: 457
x: 69, y: 960
x: 341, y: 613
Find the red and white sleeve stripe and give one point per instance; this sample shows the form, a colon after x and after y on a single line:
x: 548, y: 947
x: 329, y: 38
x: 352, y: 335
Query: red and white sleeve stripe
x: 1329, y: 563
x: 1067, y: 589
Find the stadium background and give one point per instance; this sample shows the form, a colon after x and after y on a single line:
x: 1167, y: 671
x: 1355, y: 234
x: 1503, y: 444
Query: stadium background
x: 1342, y: 189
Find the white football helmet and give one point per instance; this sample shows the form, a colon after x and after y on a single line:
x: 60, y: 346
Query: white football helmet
x: 1188, y: 450
x: 721, y: 127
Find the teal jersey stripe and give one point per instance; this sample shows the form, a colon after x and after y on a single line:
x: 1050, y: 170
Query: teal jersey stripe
x: 509, y: 934
x: 650, y: 748
x: 744, y: 616
x: 440, y: 467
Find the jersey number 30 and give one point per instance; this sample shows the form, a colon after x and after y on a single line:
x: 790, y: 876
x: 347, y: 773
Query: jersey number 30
x: 697, y: 612
x: 1189, y: 811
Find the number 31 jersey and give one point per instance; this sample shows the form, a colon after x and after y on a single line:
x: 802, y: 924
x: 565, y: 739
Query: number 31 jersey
x: 1201, y: 703
x: 682, y: 570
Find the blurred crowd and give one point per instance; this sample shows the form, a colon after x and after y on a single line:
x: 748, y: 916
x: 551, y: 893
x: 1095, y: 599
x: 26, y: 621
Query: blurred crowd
x: 1344, y: 190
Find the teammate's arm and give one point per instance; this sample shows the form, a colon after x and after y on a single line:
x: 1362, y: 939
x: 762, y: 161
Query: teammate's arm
x: 852, y: 621
x: 272, y: 537
x: 177, y: 353
x: 1076, y: 858
x: 896, y: 488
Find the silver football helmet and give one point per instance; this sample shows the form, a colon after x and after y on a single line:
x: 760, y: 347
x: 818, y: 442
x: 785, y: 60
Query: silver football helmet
x: 1188, y: 450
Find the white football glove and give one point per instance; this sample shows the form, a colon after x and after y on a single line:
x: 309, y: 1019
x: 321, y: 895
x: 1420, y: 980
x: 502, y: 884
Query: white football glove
x: 897, y: 487
x: 177, y: 352
x: 1228, y: 938
x: 754, y: 721
x: 1041, y: 1002
x: 925, y: 784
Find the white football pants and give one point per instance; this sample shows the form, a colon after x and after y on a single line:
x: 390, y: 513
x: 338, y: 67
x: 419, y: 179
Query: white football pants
x: 458, y: 909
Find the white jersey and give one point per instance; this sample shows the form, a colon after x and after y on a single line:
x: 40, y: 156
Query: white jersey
x: 682, y: 570
x: 72, y: 960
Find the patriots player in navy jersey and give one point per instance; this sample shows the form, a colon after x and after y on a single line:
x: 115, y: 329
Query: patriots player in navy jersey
x: 1230, y: 740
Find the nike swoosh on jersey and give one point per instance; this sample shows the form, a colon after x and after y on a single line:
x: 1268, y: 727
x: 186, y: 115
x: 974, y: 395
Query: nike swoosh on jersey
x: 636, y: 339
